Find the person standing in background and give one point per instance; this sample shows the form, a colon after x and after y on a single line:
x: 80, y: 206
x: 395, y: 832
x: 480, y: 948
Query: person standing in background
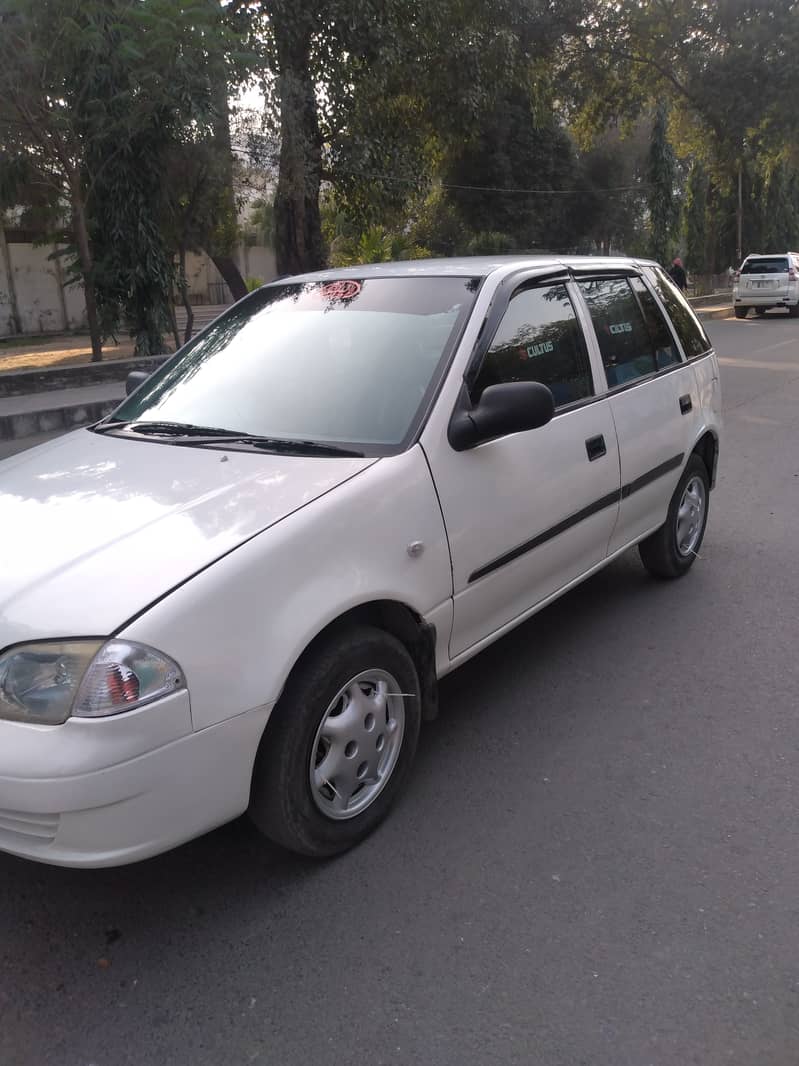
x: 678, y: 275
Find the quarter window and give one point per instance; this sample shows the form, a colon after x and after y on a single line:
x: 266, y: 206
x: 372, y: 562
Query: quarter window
x: 539, y: 339
x: 624, y: 340
x: 692, y: 336
x: 666, y: 352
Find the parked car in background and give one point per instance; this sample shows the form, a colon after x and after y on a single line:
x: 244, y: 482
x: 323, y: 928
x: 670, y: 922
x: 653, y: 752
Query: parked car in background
x: 238, y: 591
x: 766, y: 281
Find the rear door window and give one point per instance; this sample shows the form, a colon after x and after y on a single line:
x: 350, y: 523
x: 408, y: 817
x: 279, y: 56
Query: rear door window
x: 625, y: 342
x: 689, y: 329
x: 539, y: 339
x: 765, y: 265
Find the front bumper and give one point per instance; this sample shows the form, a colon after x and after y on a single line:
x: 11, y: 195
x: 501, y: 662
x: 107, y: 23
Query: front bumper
x: 103, y: 792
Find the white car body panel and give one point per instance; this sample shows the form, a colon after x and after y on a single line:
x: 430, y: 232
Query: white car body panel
x: 653, y: 435
x: 526, y: 484
x: 76, y: 810
x: 95, y: 528
x: 276, y: 592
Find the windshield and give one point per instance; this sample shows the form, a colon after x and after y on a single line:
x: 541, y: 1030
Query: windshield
x: 765, y: 266
x: 350, y: 362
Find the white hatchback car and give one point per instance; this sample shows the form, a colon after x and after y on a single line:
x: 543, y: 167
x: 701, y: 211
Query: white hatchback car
x: 766, y: 281
x: 239, y: 590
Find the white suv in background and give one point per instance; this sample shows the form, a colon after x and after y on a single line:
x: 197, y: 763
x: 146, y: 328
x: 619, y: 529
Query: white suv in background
x: 766, y: 281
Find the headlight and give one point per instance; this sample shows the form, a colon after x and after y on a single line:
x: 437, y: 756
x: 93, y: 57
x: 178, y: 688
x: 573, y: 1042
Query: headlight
x: 47, y: 682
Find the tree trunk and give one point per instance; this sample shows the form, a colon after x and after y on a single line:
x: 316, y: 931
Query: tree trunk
x: 184, y: 295
x: 220, y: 242
x: 85, y: 257
x: 298, y: 227
x: 230, y: 274
x: 739, y: 217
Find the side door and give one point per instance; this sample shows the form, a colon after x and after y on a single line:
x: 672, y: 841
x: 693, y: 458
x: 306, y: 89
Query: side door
x: 653, y: 396
x: 529, y: 512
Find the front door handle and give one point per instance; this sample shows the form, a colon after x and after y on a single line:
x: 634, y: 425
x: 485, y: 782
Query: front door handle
x: 685, y: 404
x: 595, y: 447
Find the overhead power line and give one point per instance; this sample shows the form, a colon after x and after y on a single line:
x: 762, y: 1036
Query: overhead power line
x: 500, y: 189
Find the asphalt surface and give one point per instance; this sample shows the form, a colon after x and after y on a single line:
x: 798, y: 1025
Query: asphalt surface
x: 597, y: 863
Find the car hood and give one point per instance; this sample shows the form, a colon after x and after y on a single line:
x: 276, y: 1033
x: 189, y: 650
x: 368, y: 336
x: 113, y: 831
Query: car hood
x: 94, y: 528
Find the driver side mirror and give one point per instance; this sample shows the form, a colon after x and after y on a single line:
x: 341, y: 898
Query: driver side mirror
x: 134, y: 379
x: 513, y: 407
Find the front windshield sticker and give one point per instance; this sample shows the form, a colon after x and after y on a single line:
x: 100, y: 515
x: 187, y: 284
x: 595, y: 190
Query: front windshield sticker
x: 341, y: 290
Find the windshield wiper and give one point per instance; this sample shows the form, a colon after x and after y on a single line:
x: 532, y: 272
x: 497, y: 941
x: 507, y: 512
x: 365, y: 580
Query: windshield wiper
x: 162, y: 429
x: 178, y: 429
x: 186, y: 433
x: 290, y: 446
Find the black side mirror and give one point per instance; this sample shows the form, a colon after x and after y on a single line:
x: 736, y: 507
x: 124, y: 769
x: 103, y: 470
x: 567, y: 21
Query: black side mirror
x: 134, y: 379
x: 513, y: 407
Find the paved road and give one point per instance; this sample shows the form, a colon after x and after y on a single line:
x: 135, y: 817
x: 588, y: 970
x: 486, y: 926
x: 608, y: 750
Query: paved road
x: 597, y: 863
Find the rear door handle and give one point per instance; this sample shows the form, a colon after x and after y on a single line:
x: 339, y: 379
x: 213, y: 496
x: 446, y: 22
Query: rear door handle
x: 685, y: 404
x: 595, y: 447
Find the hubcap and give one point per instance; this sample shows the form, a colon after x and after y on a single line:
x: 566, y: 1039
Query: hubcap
x: 691, y: 516
x: 357, y: 744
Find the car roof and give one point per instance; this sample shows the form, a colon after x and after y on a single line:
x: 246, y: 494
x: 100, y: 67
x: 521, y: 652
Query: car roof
x: 466, y: 266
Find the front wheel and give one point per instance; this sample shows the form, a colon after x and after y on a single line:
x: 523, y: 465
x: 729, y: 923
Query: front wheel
x: 793, y: 310
x: 741, y: 312
x: 339, y: 745
x: 670, y: 551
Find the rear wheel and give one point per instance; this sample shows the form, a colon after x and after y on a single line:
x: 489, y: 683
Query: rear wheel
x: 793, y: 311
x: 670, y: 551
x: 741, y: 312
x: 339, y: 745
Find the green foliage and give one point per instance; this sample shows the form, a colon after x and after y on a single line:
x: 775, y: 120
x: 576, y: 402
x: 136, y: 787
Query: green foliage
x: 515, y: 149
x: 375, y: 245
x: 661, y: 175
x: 695, y: 220
x: 97, y: 97
x: 405, y: 128
x: 253, y: 283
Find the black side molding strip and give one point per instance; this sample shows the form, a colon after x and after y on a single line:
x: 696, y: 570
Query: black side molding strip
x: 652, y: 475
x: 587, y: 512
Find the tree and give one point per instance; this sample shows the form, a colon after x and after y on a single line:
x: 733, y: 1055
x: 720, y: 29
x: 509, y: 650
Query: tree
x: 729, y: 66
x: 158, y: 86
x: 695, y: 219
x: 516, y: 149
x: 95, y: 94
x: 367, y: 93
x: 661, y: 175
x: 41, y: 104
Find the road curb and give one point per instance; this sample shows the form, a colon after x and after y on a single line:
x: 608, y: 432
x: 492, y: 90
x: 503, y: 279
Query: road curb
x: 31, y: 423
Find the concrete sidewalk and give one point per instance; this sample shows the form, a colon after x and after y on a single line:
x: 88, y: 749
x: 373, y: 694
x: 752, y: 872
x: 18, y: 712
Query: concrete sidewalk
x: 44, y: 412
x: 716, y: 311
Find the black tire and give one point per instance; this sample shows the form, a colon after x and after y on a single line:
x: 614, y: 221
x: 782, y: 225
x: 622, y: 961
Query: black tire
x: 659, y: 552
x: 793, y: 311
x: 282, y: 803
x: 761, y: 311
x: 741, y: 312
